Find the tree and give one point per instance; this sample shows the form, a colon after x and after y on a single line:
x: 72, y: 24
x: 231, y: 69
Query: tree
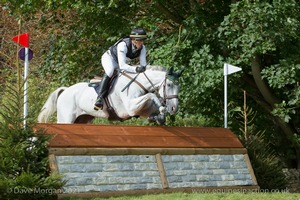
x: 263, y: 38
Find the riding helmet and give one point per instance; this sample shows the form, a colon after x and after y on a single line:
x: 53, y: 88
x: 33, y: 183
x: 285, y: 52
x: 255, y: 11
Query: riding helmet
x: 138, y: 34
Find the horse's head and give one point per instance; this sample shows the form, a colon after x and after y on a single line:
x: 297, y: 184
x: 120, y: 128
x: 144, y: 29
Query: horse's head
x: 171, y: 90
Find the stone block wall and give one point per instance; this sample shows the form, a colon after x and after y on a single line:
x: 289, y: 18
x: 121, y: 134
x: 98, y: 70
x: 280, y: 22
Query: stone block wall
x: 103, y: 173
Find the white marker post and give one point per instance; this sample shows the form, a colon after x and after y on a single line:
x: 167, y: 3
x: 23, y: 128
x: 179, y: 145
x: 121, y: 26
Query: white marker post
x: 228, y: 69
x: 26, y: 84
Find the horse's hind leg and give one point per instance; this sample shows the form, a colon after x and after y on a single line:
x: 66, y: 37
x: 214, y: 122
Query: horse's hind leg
x: 65, y: 117
x: 65, y: 110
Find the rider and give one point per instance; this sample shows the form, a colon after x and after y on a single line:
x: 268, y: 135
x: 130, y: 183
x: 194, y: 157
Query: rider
x: 125, y: 49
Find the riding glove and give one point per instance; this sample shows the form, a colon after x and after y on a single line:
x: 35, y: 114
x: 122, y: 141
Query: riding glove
x: 140, y: 69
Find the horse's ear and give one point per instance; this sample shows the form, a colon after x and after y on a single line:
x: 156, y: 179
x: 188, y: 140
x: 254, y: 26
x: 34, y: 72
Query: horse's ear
x: 179, y: 73
x: 170, y: 71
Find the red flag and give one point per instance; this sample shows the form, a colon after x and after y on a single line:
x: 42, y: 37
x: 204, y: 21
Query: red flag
x: 22, y: 39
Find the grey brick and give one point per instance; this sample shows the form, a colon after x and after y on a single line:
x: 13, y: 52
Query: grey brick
x: 126, y: 166
x: 84, y: 181
x: 150, y: 173
x: 145, y: 166
x: 147, y: 159
x: 64, y: 159
x: 77, y: 168
x: 131, y: 180
x: 99, y: 159
x: 197, y: 165
x: 115, y: 180
x: 90, y: 188
x: 239, y: 157
x: 179, y: 172
x: 155, y: 185
x: 212, y: 165
x: 172, y: 179
x: 107, y: 188
x: 227, y: 177
x: 215, y: 158
x: 111, y: 167
x: 100, y: 180
x: 189, y: 178
x: 93, y: 167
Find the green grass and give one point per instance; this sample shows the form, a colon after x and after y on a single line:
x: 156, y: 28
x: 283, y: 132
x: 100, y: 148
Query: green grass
x: 206, y: 196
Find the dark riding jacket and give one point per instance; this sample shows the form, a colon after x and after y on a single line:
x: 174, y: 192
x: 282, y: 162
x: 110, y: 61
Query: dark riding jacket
x: 131, y: 53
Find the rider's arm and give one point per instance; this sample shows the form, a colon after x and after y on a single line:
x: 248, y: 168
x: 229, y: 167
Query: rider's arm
x: 122, y: 51
x: 143, y: 61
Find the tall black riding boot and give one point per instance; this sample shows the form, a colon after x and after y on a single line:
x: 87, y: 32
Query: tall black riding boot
x: 102, y: 91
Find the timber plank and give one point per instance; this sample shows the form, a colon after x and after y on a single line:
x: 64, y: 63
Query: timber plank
x: 79, y: 135
x: 132, y: 130
x: 136, y: 141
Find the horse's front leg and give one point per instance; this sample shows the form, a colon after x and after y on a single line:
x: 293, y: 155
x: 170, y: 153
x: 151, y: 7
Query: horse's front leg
x: 143, y: 106
x: 159, y: 118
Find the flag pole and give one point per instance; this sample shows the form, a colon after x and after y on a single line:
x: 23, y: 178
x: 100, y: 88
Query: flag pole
x: 23, y: 39
x: 225, y: 95
x: 228, y: 69
x: 25, y: 84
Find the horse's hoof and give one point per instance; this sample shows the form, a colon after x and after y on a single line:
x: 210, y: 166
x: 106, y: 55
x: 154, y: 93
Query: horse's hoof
x: 151, y: 118
x: 160, y: 119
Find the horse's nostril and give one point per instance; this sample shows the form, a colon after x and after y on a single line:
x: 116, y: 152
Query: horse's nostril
x: 174, y: 108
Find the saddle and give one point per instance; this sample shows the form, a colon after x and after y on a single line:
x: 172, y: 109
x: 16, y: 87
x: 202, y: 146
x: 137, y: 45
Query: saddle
x: 95, y: 83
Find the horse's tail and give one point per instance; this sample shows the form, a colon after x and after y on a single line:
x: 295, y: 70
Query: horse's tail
x: 50, y: 106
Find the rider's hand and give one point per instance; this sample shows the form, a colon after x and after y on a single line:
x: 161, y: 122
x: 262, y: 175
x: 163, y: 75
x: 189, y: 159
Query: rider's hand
x: 140, y: 69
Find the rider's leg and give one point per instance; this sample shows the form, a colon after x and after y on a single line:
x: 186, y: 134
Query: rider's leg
x: 102, y: 91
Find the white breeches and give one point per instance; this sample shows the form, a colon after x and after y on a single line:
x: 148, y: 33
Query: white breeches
x: 109, y: 64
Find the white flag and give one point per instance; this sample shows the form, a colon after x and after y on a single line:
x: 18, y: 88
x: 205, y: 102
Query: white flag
x: 230, y: 69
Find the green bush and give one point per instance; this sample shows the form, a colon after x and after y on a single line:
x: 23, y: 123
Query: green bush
x: 266, y: 164
x: 24, y: 167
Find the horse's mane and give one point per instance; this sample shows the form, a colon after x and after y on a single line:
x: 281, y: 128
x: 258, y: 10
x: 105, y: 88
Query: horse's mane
x: 156, y: 68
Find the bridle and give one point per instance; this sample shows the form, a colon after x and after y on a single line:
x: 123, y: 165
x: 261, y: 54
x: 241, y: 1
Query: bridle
x: 164, y: 85
x: 156, y: 89
x: 165, y: 95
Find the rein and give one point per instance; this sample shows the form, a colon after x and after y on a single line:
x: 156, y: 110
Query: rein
x: 139, y: 84
x: 156, y: 90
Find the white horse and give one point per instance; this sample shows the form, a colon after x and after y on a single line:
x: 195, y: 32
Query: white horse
x: 151, y: 95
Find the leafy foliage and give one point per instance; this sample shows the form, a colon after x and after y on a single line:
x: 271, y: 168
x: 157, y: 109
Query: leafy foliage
x: 24, y: 167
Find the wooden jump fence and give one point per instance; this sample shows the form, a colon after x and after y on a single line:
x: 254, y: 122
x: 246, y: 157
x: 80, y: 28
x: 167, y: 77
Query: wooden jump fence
x: 104, y: 160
